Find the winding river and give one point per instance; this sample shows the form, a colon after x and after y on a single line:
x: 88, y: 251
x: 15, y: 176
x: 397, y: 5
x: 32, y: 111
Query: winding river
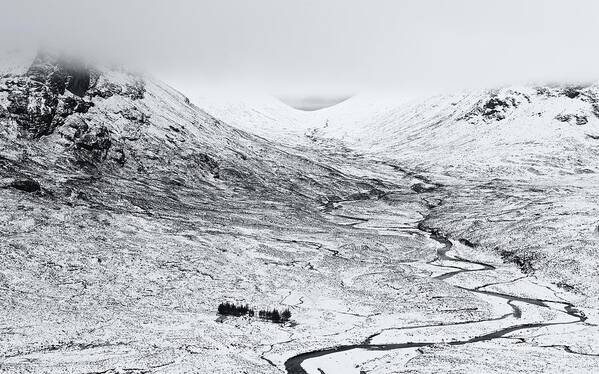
x: 461, y: 265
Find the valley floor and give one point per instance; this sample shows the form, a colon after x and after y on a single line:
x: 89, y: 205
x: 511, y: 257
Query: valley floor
x: 450, y: 234
x: 371, y: 287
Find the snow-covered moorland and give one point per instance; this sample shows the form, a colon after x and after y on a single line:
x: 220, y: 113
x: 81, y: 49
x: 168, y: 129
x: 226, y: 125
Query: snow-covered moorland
x: 404, y: 236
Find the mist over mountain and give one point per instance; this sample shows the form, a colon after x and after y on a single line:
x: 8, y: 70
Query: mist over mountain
x: 311, y: 187
x: 130, y: 213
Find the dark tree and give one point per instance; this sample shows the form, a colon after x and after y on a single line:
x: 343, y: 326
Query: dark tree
x: 286, y: 315
x: 230, y: 309
x: 276, y: 317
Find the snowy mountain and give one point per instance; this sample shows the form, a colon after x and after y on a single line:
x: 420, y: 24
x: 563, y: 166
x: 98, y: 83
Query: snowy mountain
x: 517, y: 160
x: 514, y: 130
x: 403, y: 235
x: 66, y: 121
x: 518, y: 165
x: 260, y: 114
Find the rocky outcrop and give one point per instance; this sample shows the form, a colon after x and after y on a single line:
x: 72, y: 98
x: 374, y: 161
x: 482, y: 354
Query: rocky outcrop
x: 105, y: 89
x: 525, y: 260
x: 497, y: 106
x: 572, y: 91
x: 98, y: 127
x: 578, y: 119
x: 423, y: 187
x: 209, y: 164
x: 49, y: 92
x: 92, y: 145
x: 25, y: 184
x: 54, y: 88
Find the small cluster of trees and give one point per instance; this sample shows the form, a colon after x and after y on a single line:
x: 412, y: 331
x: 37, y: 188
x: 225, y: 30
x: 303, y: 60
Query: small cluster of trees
x: 230, y: 309
x: 274, y: 315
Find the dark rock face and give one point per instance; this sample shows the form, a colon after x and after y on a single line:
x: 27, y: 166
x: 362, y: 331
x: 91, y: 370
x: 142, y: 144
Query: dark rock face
x: 497, y: 106
x: 33, y: 110
x: 572, y: 92
x: 584, y: 93
x: 545, y: 91
x: 118, y: 155
x: 60, y: 75
x: 106, y: 90
x: 333, y: 199
x: 27, y: 185
x: 53, y: 96
x: 467, y: 243
x: 579, y: 119
x: 376, y: 193
x: 78, y: 80
x: 135, y: 90
x: 209, y: 164
x: 494, y: 106
x: 565, y: 286
x: 37, y: 99
x: 70, y: 105
x: 358, y: 196
x: 569, y: 91
x: 523, y: 261
x: 329, y: 202
x: 423, y: 188
x: 91, y: 146
x: 133, y: 114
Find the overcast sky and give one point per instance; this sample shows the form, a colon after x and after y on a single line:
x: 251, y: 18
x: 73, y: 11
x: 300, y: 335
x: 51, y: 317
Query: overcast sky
x: 322, y: 46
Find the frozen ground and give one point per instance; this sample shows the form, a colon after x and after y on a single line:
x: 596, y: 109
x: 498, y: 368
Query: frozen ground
x: 426, y: 237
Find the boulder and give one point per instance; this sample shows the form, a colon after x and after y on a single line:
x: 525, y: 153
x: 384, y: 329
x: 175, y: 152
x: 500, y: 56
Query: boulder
x: 27, y: 185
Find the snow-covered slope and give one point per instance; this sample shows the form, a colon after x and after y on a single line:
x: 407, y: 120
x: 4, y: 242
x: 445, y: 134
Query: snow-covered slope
x: 515, y: 131
x: 518, y: 168
x: 260, y: 114
x: 518, y: 164
x: 64, y: 121
x: 128, y: 214
x: 270, y: 118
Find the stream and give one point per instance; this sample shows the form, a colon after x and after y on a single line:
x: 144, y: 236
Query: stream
x: 294, y: 364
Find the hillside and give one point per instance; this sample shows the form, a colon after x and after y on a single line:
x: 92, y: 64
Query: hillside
x: 402, y: 236
x: 515, y: 166
x: 128, y: 215
x: 518, y: 167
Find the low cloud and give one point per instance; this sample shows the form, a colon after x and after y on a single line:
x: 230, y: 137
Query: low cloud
x: 321, y: 47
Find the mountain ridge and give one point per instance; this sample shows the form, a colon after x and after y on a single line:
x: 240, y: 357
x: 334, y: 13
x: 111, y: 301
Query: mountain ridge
x: 129, y: 214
